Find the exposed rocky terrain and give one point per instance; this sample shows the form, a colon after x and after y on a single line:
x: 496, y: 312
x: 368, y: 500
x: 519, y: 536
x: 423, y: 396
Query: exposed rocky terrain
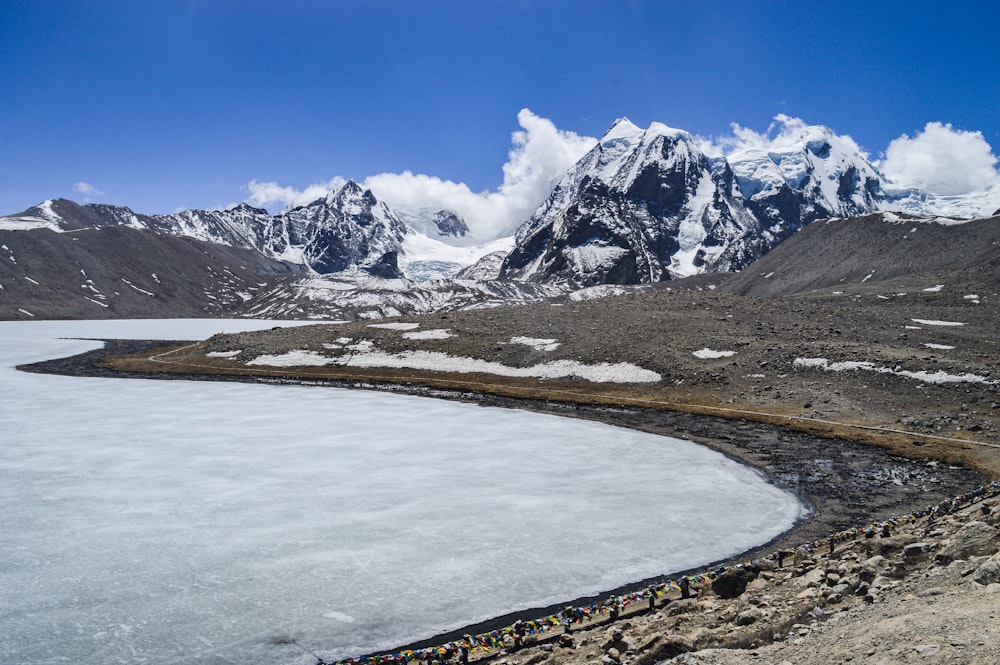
x: 771, y: 359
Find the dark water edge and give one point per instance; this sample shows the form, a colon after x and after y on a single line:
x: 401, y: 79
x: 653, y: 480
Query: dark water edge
x: 843, y: 483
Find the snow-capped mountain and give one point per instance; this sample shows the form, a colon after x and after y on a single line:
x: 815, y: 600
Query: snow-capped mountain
x: 641, y: 206
x: 649, y: 205
x: 967, y: 206
x: 815, y: 175
x: 347, y: 230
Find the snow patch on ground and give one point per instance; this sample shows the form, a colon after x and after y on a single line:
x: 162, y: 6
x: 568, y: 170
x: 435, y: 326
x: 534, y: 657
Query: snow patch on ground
x: 934, y: 289
x: 928, y: 322
x: 945, y: 347
x: 436, y: 333
x: 707, y: 353
x: 224, y: 354
x: 558, y: 369
x: 926, y: 377
x: 435, y: 361
x: 536, y: 343
x: 299, y: 358
x: 395, y: 326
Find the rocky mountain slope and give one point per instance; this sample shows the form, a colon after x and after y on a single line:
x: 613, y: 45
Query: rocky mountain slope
x: 117, y: 271
x: 349, y: 229
x: 877, y: 251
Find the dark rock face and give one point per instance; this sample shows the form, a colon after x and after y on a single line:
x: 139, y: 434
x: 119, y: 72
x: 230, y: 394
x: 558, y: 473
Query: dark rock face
x: 450, y: 224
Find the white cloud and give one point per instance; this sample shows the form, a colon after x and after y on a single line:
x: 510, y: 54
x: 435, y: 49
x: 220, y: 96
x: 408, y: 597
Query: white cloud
x: 941, y: 160
x: 268, y: 194
x: 89, y: 191
x: 784, y: 132
x: 540, y: 154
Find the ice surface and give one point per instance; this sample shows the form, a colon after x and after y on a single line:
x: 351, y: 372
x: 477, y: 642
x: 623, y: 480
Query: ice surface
x: 200, y: 522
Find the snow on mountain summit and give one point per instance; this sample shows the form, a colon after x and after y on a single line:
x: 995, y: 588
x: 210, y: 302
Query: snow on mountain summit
x: 811, y: 174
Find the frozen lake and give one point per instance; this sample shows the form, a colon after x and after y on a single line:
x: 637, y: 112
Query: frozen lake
x: 199, y: 522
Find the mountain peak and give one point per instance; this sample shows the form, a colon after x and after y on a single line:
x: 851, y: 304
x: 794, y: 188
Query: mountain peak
x: 351, y: 187
x: 622, y: 128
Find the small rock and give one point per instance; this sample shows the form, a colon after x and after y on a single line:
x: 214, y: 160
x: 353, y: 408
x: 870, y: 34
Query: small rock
x: 916, y: 549
x: 750, y: 616
x: 880, y: 582
x: 933, y: 591
x: 926, y: 650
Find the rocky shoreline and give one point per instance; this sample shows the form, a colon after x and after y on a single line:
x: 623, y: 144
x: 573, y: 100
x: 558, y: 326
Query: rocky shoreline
x: 914, y: 591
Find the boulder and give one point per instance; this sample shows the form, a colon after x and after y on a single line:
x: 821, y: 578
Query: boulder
x: 662, y: 648
x: 733, y: 582
x: 989, y: 572
x: 812, y: 578
x: 914, y: 550
x: 973, y: 539
x: 747, y: 617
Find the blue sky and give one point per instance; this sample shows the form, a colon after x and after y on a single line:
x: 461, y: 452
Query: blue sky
x: 164, y: 105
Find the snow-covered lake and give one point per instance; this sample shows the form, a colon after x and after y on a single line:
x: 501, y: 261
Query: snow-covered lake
x: 198, y: 522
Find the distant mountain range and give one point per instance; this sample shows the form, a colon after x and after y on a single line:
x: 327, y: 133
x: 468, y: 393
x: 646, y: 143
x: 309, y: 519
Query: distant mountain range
x: 643, y: 206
